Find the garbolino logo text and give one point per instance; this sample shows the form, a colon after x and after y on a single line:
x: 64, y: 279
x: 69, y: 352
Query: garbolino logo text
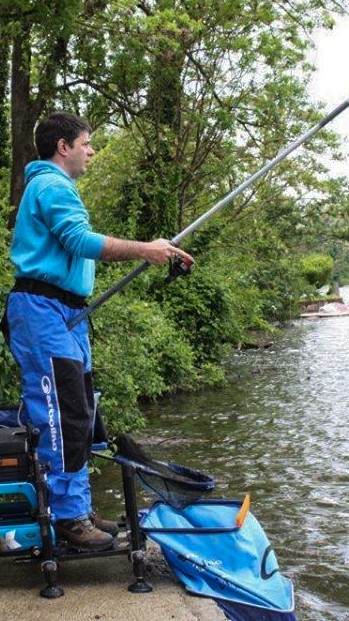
x: 46, y: 386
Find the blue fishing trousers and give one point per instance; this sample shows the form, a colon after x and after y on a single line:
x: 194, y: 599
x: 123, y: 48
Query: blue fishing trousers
x: 57, y: 394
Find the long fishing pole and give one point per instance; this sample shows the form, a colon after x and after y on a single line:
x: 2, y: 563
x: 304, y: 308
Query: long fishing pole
x: 208, y: 214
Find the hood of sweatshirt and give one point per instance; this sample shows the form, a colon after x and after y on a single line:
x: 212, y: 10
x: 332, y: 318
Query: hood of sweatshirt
x: 42, y: 167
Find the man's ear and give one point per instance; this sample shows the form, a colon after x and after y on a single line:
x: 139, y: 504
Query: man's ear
x: 62, y: 147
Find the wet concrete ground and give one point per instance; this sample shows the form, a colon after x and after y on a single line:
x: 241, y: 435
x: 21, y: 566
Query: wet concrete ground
x: 97, y: 590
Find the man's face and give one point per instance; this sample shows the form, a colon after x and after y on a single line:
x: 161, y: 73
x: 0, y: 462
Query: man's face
x: 78, y: 156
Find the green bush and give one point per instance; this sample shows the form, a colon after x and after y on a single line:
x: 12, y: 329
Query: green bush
x: 280, y: 286
x: 138, y: 353
x: 317, y: 269
x: 200, y: 309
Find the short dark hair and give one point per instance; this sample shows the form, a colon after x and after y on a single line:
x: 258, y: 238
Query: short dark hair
x: 56, y: 126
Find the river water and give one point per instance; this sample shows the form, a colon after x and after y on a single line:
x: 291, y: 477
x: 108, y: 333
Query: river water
x: 280, y: 430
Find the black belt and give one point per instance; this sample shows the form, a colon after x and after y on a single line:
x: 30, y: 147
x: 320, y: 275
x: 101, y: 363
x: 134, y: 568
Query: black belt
x: 39, y: 287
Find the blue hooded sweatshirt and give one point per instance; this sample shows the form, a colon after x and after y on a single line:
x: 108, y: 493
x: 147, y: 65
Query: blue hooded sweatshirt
x: 53, y: 240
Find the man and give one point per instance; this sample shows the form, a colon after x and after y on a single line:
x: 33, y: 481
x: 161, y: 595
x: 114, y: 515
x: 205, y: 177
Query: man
x: 54, y: 251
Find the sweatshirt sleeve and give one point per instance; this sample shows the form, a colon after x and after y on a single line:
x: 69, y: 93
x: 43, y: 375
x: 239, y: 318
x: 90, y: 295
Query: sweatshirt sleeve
x: 66, y: 217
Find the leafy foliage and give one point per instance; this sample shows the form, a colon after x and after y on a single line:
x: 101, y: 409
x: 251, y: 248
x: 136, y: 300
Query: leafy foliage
x: 317, y: 269
x: 138, y: 353
x: 9, y: 379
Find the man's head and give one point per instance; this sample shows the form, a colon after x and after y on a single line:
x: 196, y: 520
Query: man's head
x: 65, y: 139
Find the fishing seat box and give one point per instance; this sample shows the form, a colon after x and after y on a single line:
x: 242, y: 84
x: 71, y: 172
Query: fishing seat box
x: 14, y: 457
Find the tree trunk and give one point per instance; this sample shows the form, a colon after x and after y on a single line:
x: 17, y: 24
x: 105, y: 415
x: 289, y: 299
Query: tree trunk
x: 4, y: 73
x: 22, y: 119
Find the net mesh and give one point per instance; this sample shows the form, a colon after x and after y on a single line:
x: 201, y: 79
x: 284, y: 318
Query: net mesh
x: 173, y: 484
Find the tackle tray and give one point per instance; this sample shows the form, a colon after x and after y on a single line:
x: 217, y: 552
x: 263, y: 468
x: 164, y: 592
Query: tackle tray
x: 14, y: 458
